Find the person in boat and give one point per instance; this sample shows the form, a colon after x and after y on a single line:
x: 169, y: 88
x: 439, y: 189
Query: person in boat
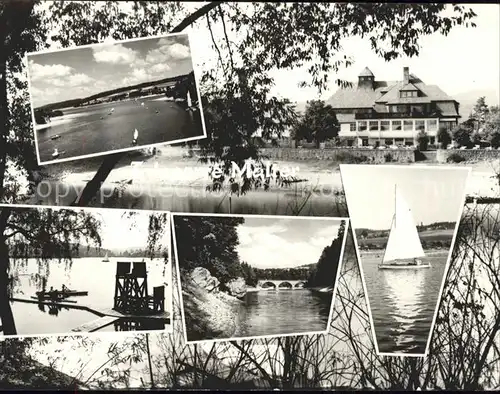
x: 64, y: 289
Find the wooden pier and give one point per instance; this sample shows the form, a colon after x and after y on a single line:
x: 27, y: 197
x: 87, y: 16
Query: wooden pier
x: 133, y: 307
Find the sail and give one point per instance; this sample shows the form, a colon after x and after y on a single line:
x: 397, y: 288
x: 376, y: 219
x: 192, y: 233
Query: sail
x: 136, y: 134
x: 403, y: 242
x: 189, y: 102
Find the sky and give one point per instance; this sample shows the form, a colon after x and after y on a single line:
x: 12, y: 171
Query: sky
x: 84, y: 71
x: 433, y: 194
x: 468, y: 59
x: 122, y: 233
x: 284, y: 243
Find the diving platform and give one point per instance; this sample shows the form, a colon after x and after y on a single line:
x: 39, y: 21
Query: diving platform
x: 133, y: 307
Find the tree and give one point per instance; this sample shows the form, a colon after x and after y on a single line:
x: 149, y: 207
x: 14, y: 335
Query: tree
x: 491, y: 128
x: 325, y: 273
x: 443, y: 137
x: 309, y: 35
x: 51, y: 234
x: 318, y: 124
x: 422, y: 140
x: 479, y: 113
x: 209, y: 242
x: 462, y: 135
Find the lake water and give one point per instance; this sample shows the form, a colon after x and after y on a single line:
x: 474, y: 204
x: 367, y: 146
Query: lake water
x: 283, y: 312
x: 403, y: 302
x: 84, y: 274
x: 83, y: 132
x: 197, y: 199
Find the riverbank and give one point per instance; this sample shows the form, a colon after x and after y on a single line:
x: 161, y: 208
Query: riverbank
x: 208, y: 314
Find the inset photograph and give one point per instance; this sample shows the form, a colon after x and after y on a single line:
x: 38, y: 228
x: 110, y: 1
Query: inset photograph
x: 97, y: 99
x: 70, y: 271
x: 405, y: 221
x: 250, y: 276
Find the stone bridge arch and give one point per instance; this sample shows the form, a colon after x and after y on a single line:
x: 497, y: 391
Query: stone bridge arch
x: 281, y: 284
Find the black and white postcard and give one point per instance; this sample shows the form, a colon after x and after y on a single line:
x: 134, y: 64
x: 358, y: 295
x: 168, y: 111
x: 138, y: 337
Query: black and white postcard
x: 98, y: 99
x: 74, y: 271
x: 256, y: 276
x: 405, y: 221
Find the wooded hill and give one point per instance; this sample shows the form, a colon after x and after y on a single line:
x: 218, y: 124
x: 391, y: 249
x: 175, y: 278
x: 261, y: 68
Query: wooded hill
x: 81, y: 251
x: 369, y: 233
x: 81, y: 101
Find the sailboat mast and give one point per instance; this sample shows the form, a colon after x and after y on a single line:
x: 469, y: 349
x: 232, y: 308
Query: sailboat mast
x: 395, y: 206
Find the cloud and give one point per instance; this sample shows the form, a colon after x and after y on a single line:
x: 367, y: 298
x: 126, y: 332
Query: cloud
x: 138, y: 75
x: 114, y: 54
x: 70, y: 81
x: 159, y: 68
x: 266, y: 247
x: 41, y: 72
x: 166, y: 51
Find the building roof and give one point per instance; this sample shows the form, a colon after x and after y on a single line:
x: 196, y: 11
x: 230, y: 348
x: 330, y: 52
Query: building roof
x: 447, y: 108
x: 409, y: 86
x: 386, y: 92
x: 409, y: 100
x: 345, y: 118
x: 366, y: 73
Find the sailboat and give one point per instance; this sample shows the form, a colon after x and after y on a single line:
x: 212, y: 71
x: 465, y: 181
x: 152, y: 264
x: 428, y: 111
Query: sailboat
x: 189, y: 102
x: 404, y: 249
x: 136, y: 135
x: 106, y: 258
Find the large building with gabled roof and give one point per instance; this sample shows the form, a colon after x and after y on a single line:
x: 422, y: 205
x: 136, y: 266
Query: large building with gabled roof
x: 382, y: 113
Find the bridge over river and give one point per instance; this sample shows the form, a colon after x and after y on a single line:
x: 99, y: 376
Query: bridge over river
x: 268, y: 284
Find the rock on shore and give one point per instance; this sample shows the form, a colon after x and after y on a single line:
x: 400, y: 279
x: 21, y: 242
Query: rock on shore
x: 209, y: 313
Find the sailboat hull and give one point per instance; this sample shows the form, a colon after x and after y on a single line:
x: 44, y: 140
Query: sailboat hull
x: 404, y: 264
x: 402, y: 267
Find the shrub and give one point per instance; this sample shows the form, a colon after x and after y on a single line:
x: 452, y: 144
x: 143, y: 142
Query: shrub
x: 455, y: 158
x: 349, y: 158
x: 388, y: 158
x: 422, y: 140
x: 443, y: 137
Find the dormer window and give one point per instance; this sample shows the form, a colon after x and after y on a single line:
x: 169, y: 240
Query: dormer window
x: 408, y: 93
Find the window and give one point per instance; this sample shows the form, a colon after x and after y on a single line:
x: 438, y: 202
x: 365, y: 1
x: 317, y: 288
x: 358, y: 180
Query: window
x: 388, y: 141
x: 373, y: 125
x: 404, y: 94
x: 432, y: 125
x: 362, y: 126
x: 384, y: 125
x: 432, y: 140
x: 399, y: 141
x: 402, y: 109
x: 408, y: 125
x: 396, y: 125
x: 364, y: 141
x: 352, y: 126
x: 420, y: 125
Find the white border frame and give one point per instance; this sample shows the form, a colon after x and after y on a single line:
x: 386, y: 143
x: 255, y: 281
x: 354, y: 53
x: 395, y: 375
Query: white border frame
x: 448, y: 259
x: 130, y: 149
x: 230, y: 339
x: 169, y: 329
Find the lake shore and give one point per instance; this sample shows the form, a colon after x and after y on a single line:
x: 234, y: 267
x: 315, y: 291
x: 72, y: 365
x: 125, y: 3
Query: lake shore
x: 209, y: 315
x: 174, y: 167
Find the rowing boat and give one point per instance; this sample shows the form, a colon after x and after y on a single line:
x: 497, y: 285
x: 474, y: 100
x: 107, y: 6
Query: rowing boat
x: 61, y: 294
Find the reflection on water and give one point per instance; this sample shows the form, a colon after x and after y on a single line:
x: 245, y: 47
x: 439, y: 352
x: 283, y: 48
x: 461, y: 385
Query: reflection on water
x: 283, y: 312
x: 91, y: 130
x: 403, y: 303
x: 84, y: 274
x: 197, y: 199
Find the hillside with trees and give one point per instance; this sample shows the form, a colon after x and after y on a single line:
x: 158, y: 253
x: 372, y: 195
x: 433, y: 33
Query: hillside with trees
x: 83, y: 101
x: 325, y: 272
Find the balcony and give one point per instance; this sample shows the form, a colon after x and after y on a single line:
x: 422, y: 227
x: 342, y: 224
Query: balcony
x: 397, y: 115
